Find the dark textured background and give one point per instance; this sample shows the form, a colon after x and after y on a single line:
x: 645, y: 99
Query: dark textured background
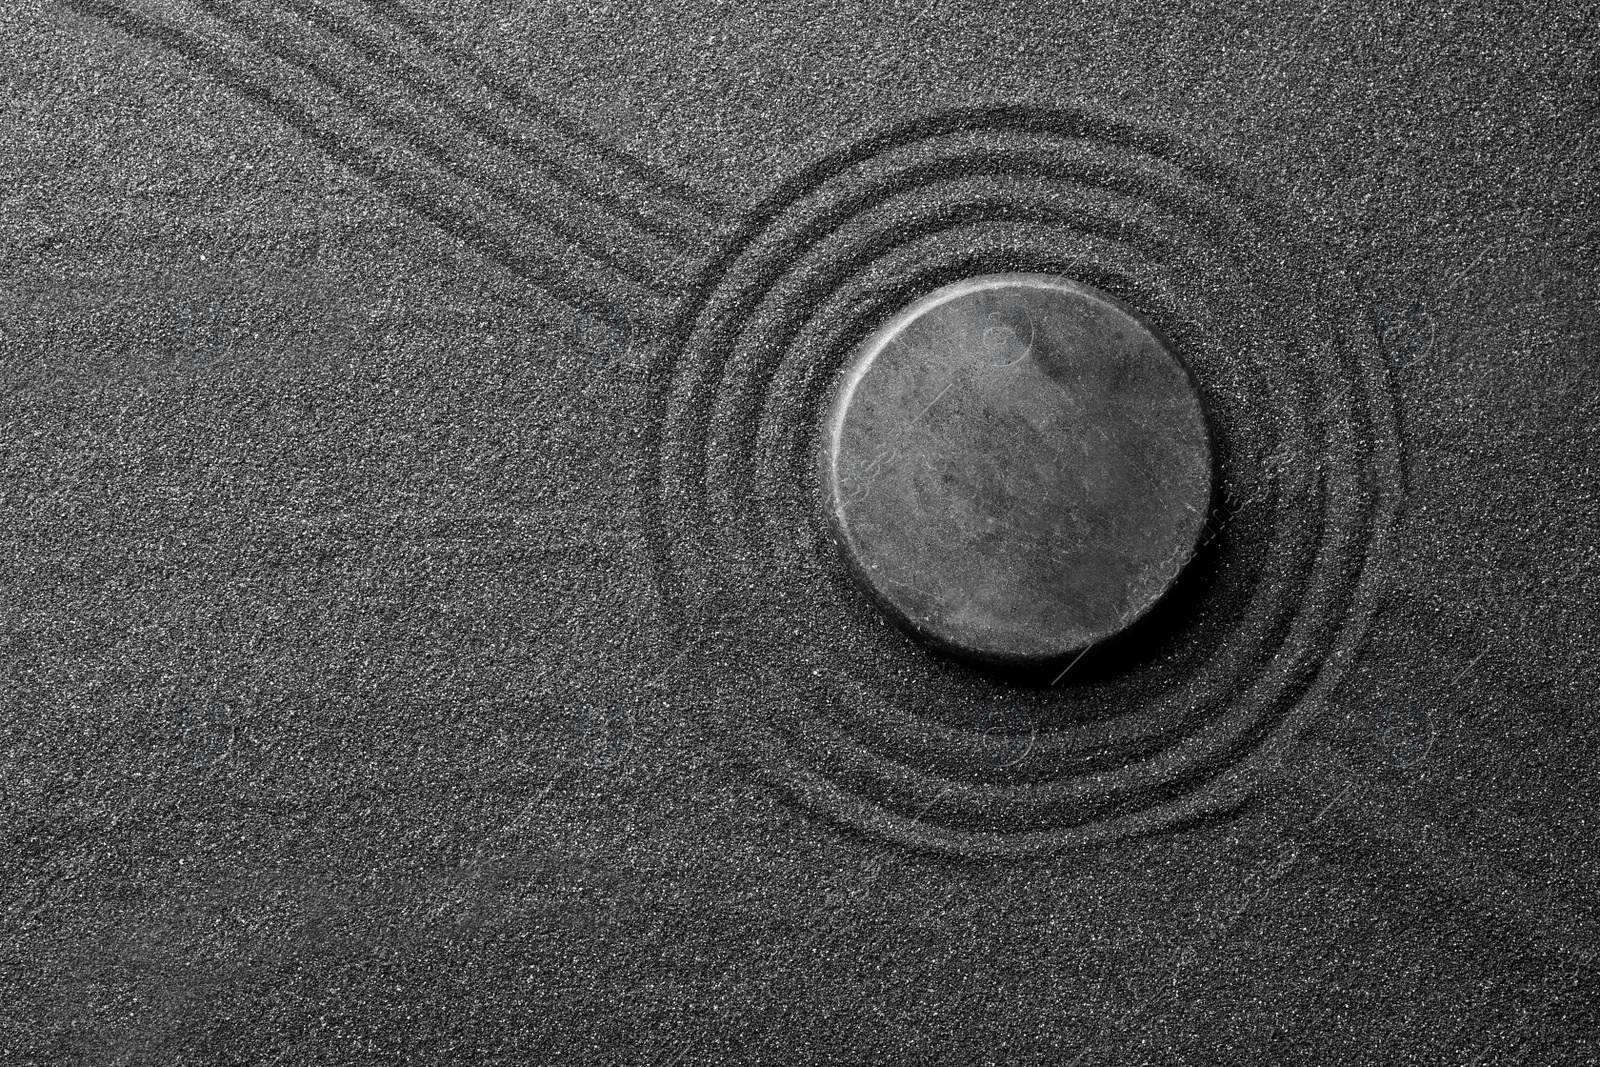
x: 337, y: 723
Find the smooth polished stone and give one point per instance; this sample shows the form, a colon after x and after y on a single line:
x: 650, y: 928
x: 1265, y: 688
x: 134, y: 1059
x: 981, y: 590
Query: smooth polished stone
x: 1017, y: 468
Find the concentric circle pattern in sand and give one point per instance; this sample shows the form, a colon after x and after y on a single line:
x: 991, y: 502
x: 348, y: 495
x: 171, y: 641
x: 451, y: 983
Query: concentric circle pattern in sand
x: 882, y: 735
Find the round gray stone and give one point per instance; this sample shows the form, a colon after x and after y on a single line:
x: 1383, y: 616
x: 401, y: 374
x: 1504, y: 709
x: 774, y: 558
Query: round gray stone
x: 1017, y: 468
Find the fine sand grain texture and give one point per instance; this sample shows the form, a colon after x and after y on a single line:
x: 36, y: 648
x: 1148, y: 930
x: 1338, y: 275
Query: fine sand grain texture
x: 422, y: 640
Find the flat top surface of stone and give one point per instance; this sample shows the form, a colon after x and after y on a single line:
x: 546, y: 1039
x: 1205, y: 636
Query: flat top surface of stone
x: 1017, y: 468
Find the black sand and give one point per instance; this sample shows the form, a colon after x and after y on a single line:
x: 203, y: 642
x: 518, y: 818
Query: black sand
x: 348, y: 715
